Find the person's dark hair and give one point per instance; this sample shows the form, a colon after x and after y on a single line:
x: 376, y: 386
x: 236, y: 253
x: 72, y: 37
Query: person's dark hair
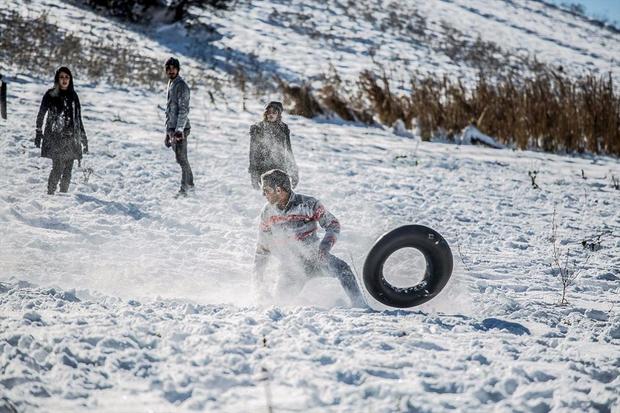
x: 66, y: 70
x: 173, y: 62
x: 276, y: 178
x: 277, y: 106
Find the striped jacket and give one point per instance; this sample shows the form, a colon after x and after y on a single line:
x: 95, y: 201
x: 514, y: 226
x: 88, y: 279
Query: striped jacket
x: 292, y: 232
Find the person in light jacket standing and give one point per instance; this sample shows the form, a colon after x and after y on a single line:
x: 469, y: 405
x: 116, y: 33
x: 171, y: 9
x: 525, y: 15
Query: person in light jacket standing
x: 177, y: 122
x: 270, y: 146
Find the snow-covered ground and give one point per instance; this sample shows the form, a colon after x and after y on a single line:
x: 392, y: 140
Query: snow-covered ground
x: 118, y: 297
x: 164, y: 318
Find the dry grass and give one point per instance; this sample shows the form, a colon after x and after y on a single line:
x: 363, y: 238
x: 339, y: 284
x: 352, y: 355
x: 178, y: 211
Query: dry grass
x: 387, y: 106
x: 301, y: 100
x: 347, y: 108
x: 550, y: 111
x: 41, y: 47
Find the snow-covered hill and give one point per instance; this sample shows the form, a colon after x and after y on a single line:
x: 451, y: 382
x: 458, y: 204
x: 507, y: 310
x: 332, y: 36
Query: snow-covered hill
x: 300, y: 40
x: 118, y: 297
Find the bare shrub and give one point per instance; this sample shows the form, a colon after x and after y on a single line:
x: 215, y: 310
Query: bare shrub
x: 347, y: 108
x: 42, y: 47
x: 388, y: 107
x: 550, y: 111
x: 302, y: 99
x: 568, y: 269
x: 533, y: 175
x: 336, y: 103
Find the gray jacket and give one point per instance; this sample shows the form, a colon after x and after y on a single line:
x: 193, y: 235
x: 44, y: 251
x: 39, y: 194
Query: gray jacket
x: 177, y: 107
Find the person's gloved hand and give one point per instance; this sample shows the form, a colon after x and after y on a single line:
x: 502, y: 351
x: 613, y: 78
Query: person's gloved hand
x: 167, y: 140
x: 37, y: 139
x: 84, y: 148
x: 178, y: 136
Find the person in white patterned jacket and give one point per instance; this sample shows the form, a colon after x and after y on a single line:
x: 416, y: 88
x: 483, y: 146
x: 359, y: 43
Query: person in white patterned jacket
x: 288, y: 230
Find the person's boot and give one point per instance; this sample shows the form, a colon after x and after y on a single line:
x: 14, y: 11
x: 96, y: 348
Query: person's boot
x: 181, y: 194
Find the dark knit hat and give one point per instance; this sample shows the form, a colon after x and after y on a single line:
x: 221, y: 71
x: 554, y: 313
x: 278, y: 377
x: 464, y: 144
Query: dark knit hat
x: 275, y: 105
x: 173, y: 62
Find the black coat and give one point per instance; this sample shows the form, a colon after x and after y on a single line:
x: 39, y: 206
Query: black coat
x: 64, y: 136
x: 270, y: 148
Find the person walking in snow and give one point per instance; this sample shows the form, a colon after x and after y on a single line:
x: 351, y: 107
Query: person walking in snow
x: 177, y: 122
x: 288, y: 230
x: 63, y: 140
x: 270, y: 146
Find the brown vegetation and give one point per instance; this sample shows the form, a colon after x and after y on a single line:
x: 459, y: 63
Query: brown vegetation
x: 301, y: 100
x: 549, y: 112
x: 42, y: 47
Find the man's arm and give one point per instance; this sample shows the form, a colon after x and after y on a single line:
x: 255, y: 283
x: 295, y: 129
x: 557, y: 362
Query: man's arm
x: 183, y: 105
x: 83, y: 137
x: 40, y: 117
x: 330, y: 224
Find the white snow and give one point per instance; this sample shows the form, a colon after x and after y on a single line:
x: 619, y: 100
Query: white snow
x: 117, y: 297
x: 472, y: 135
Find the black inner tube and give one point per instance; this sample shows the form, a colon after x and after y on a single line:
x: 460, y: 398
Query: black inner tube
x: 438, y: 258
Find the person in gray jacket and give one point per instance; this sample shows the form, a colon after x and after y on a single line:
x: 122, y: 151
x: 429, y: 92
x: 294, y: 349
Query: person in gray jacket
x: 288, y: 230
x: 177, y: 122
x: 270, y: 146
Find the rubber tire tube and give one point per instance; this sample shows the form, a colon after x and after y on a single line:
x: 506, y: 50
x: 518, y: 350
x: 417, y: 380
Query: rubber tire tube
x: 439, y: 264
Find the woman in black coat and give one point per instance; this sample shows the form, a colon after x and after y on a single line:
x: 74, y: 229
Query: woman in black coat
x: 63, y: 140
x: 270, y: 146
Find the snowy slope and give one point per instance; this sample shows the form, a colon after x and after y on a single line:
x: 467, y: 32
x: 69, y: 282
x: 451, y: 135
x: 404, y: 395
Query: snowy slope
x: 306, y: 37
x: 299, y: 40
x: 118, y: 297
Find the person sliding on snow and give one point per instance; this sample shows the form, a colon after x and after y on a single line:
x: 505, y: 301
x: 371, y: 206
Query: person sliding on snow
x: 270, y: 146
x: 177, y: 122
x: 288, y: 230
x: 63, y: 139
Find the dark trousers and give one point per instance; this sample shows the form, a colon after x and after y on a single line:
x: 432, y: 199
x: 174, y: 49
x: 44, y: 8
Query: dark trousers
x: 180, y: 152
x: 61, y: 171
x: 335, y: 267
